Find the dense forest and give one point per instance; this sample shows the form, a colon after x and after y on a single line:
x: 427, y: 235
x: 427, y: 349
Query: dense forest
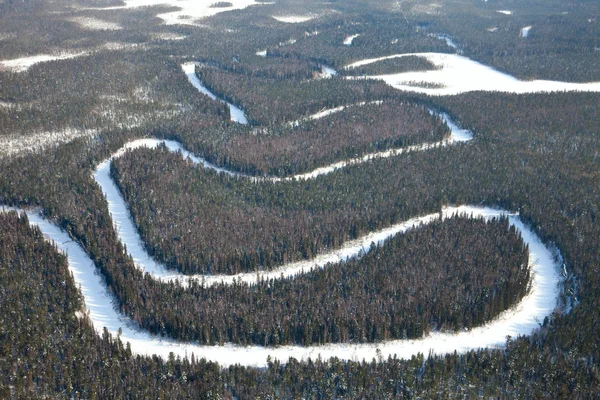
x: 536, y: 154
x: 310, y: 143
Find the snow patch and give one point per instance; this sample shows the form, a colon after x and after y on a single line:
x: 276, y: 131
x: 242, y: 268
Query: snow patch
x: 293, y: 19
x: 237, y: 115
x: 505, y: 12
x: 457, y: 74
x: 189, y: 10
x: 95, y: 24
x: 261, y: 53
x: 525, y: 31
x: 24, y: 63
x: 349, y: 39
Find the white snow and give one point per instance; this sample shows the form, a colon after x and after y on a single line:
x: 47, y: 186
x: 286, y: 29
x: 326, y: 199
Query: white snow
x: 262, y: 53
x: 457, y: 74
x: 17, y: 144
x: 23, y: 64
x: 96, y: 24
x: 494, y: 29
x: 189, y: 10
x: 519, y: 320
x: 349, y: 39
x: 293, y: 19
x: 505, y: 12
x: 447, y: 39
x: 327, y: 72
x: 525, y: 31
x: 237, y: 115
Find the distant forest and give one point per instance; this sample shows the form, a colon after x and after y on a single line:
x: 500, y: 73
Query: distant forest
x: 535, y: 154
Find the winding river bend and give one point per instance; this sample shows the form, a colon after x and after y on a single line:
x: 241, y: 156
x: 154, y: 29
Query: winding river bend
x: 519, y: 320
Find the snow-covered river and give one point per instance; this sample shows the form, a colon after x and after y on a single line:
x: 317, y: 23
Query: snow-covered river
x: 457, y: 74
x: 519, y: 320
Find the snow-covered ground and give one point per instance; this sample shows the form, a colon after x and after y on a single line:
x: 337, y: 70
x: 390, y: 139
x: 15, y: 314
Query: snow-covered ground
x: 189, y: 10
x: 96, y: 24
x: 349, y: 39
x: 525, y: 31
x: 23, y: 64
x: 327, y: 72
x: 17, y: 144
x: 457, y: 74
x: 505, y: 12
x: 237, y: 115
x: 449, y: 41
x: 293, y: 19
x: 519, y: 320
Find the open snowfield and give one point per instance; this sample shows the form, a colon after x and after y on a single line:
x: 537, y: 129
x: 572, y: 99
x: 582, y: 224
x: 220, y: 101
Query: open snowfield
x: 24, y: 63
x: 458, y: 74
x: 12, y: 145
x: 189, y: 10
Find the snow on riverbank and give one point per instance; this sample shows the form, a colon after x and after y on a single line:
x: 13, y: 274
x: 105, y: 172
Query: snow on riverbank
x: 519, y: 320
x: 457, y: 74
x: 237, y: 115
x: 18, y: 144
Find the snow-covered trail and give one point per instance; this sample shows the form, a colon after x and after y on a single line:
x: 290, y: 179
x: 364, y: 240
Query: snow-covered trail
x: 457, y: 74
x: 237, y: 115
x: 519, y: 320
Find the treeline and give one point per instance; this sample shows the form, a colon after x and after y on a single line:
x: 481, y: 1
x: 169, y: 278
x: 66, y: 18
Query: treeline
x: 308, y: 144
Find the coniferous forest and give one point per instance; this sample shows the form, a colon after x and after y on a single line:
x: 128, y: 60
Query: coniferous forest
x: 82, y: 79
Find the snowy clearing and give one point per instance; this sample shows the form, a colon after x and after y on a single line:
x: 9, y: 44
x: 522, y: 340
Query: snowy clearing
x: 24, y: 63
x: 95, y: 24
x: 327, y: 72
x: 447, y: 39
x: 189, y: 10
x: 13, y: 145
x: 293, y: 19
x: 349, y: 39
x: 519, y: 320
x: 525, y: 31
x: 237, y: 115
x: 457, y: 74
